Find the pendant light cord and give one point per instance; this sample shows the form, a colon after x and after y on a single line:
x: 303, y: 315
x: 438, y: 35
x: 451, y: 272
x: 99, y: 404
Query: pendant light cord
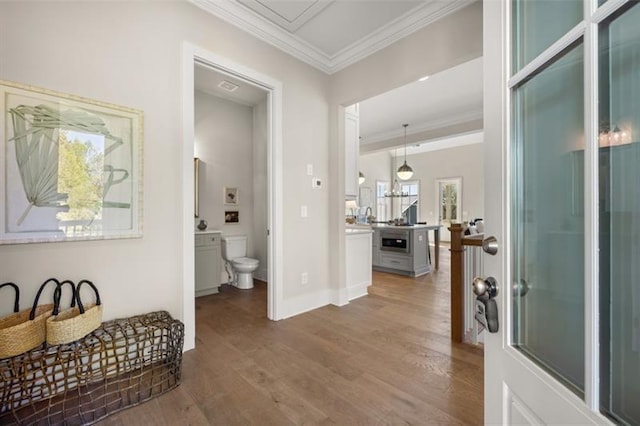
x: 405, y: 142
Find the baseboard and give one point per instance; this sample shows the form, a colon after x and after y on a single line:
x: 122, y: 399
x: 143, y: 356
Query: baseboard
x: 358, y: 290
x: 261, y: 274
x: 305, y: 303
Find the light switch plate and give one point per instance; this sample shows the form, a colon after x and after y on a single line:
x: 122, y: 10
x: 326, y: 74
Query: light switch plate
x: 310, y: 169
x: 303, y: 211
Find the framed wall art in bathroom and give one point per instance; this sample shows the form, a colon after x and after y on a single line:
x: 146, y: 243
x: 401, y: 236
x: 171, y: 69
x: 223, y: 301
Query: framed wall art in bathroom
x: 231, y: 216
x: 71, y: 167
x: 230, y: 196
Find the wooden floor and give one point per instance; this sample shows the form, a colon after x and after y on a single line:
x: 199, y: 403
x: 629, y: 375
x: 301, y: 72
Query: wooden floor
x: 382, y: 359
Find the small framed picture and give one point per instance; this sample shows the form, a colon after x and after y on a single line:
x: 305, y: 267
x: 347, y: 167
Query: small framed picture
x: 231, y: 216
x: 231, y: 196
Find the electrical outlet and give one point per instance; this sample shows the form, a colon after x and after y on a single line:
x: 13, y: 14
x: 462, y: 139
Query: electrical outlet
x: 304, y: 278
x: 310, y: 169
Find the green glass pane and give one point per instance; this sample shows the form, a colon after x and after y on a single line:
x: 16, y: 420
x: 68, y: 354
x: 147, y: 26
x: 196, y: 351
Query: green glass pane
x: 619, y: 210
x: 540, y: 23
x: 548, y: 219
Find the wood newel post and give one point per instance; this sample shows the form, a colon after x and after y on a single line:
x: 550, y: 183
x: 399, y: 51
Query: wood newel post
x: 457, y: 281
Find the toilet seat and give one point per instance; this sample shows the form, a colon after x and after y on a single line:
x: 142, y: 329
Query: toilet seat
x: 246, y: 261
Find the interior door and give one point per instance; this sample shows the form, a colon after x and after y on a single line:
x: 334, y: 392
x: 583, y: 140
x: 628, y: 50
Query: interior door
x: 561, y: 131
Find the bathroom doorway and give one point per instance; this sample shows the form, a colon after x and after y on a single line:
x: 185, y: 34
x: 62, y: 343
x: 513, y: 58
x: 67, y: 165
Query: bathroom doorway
x: 257, y: 213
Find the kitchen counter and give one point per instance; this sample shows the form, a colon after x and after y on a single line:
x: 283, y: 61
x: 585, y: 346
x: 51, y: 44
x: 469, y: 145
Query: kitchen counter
x: 358, y: 229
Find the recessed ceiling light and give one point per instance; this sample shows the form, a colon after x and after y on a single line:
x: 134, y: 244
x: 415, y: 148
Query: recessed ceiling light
x: 426, y: 77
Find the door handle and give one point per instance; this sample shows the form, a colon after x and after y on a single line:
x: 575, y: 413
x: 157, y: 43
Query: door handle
x: 485, y: 287
x: 490, y: 245
x: 486, y: 308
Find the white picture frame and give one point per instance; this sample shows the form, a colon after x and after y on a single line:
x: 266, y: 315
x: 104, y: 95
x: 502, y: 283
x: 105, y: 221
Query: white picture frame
x: 71, y: 167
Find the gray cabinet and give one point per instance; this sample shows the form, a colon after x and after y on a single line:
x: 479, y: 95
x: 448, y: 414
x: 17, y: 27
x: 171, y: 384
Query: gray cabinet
x: 414, y: 262
x: 208, y: 262
x: 375, y: 248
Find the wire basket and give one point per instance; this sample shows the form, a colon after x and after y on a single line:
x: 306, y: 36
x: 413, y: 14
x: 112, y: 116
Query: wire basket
x: 121, y: 364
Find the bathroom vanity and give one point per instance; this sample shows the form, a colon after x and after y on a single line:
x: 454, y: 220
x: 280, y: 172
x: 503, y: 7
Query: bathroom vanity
x: 402, y: 249
x: 208, y: 262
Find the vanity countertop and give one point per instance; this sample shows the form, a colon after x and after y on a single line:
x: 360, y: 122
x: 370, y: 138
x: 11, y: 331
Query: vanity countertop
x: 208, y: 231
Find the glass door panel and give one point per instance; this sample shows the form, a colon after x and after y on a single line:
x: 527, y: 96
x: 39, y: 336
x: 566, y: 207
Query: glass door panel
x: 547, y: 220
x: 538, y: 24
x: 619, y: 210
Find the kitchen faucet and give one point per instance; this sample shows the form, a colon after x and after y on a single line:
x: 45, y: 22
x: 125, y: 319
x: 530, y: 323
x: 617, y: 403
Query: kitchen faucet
x: 367, y: 213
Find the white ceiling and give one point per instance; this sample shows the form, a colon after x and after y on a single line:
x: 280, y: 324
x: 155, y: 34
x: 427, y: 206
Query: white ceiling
x: 445, y: 99
x: 331, y: 34
x: 208, y: 80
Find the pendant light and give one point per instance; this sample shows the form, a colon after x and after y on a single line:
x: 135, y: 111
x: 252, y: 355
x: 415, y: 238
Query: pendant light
x: 405, y: 172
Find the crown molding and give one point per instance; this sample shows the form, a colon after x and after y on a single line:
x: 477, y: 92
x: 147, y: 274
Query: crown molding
x: 251, y: 22
x: 308, y: 14
x: 405, y: 25
x: 258, y: 26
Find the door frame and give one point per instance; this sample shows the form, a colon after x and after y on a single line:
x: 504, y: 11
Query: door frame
x: 190, y: 55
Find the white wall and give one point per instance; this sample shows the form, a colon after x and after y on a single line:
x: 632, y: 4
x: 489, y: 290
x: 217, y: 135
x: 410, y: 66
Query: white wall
x: 129, y: 53
x: 450, y: 41
x: 464, y: 161
x: 224, y: 144
x: 375, y: 166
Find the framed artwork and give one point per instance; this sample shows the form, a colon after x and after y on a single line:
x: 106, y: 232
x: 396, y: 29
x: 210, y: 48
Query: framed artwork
x: 71, y: 167
x: 231, y: 196
x: 231, y: 216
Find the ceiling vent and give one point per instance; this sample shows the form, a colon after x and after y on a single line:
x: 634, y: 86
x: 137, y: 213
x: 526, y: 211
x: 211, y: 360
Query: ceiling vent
x: 228, y: 86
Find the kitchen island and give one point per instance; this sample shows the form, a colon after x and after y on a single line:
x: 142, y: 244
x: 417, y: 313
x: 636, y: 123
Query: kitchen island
x: 358, y: 260
x: 404, y: 249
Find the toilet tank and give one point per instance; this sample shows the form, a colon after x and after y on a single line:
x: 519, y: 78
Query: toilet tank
x: 234, y: 247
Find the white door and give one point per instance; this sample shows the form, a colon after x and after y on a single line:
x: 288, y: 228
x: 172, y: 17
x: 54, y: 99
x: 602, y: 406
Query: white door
x: 562, y: 171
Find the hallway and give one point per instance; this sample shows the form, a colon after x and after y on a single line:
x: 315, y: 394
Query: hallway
x: 382, y: 359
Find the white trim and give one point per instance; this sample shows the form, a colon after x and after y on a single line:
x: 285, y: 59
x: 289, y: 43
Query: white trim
x: 608, y: 8
x: 358, y: 290
x: 304, y: 303
x: 289, y: 25
x: 591, y: 217
x: 257, y: 25
x: 188, y: 236
x: 438, y: 144
x: 548, y: 55
x: 407, y: 24
x: 190, y: 55
x: 449, y: 120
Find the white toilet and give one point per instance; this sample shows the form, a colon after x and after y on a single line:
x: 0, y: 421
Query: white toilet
x: 234, y: 251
